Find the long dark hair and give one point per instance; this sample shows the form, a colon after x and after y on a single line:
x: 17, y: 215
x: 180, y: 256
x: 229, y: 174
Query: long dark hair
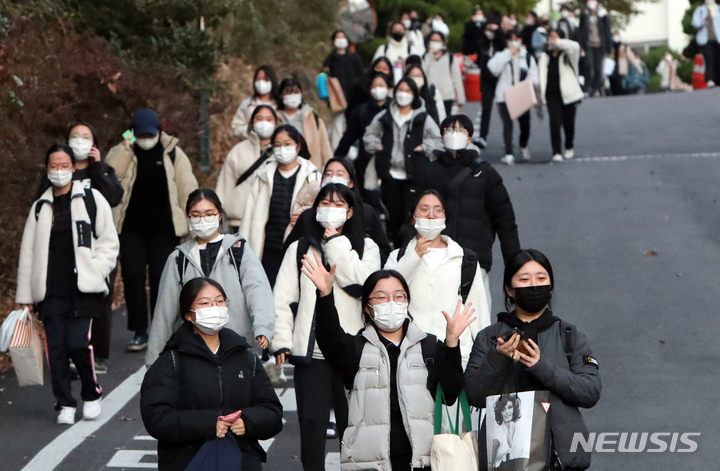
x: 408, y: 231
x: 287, y: 83
x: 190, y: 291
x: 57, y: 147
x: 93, y: 132
x: 296, y: 136
x: 516, y: 262
x: 258, y: 108
x: 417, y: 102
x: 373, y: 280
x: 271, y: 77
x: 350, y: 170
x: 206, y: 194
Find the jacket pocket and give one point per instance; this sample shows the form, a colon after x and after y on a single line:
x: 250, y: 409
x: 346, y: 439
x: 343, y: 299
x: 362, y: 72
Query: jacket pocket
x: 84, y: 234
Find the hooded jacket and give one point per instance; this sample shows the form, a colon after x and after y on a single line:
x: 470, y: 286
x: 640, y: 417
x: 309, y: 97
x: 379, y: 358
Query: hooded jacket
x: 251, y: 308
x: 240, y: 158
x: 573, y: 382
x: 314, y: 131
x: 397, y: 51
x: 438, y: 290
x: 446, y: 76
x: 257, y: 208
x: 479, y: 208
x: 180, y: 180
x: 241, y: 121
x: 568, y: 65
x: 96, y: 251
x: 511, y: 70
x: 189, y: 387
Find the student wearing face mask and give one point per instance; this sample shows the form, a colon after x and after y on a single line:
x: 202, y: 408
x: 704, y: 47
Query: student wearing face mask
x: 512, y: 66
x: 596, y: 40
x: 225, y: 258
x: 336, y: 238
x: 265, y: 91
x: 69, y: 247
x: 294, y: 111
x: 341, y: 171
x: 397, y: 49
x: 706, y: 20
x: 413, y: 34
x: 402, y: 140
x: 273, y: 191
x: 544, y: 353
x: 443, y: 72
x: 429, y: 93
x: 567, y: 22
x: 360, y: 92
x: 243, y: 161
x: 440, y: 273
x: 347, y: 67
x: 392, y: 369
x: 205, y: 374
x: 478, y: 206
x: 157, y: 178
x: 527, y: 32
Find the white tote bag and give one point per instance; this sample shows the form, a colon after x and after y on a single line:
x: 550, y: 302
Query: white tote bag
x: 454, y: 451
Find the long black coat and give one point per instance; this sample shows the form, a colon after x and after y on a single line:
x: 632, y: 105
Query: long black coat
x: 478, y: 208
x: 182, y: 397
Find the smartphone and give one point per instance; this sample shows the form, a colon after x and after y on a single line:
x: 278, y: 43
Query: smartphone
x: 508, y: 335
x: 129, y: 134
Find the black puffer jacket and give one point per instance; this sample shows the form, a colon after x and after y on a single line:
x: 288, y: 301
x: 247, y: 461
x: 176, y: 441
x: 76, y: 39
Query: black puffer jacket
x: 188, y: 388
x: 478, y: 208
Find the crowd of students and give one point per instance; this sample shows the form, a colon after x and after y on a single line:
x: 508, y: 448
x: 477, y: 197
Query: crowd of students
x: 359, y: 254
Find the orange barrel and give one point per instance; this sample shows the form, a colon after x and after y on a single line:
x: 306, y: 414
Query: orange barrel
x: 471, y: 82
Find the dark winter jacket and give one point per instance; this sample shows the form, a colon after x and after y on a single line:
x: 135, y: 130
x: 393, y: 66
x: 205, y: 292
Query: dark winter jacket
x: 603, y: 28
x: 357, y: 120
x: 478, y: 208
x: 189, y: 387
x: 347, y: 68
x: 99, y: 176
x: 573, y: 381
x: 476, y: 42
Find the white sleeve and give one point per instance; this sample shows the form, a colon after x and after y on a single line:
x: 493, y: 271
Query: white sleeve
x: 107, y: 244
x: 351, y: 269
x: 23, y: 294
x: 497, y: 62
x: 286, y: 293
x: 478, y: 298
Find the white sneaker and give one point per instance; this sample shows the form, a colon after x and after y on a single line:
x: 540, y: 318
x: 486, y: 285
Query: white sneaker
x: 557, y: 158
x: 91, y: 409
x: 526, y: 153
x: 66, y: 416
x: 711, y: 84
x: 508, y: 160
x: 482, y: 143
x: 569, y: 153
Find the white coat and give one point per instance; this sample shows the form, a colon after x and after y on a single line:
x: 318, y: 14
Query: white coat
x: 241, y: 121
x: 508, y: 68
x: 568, y: 66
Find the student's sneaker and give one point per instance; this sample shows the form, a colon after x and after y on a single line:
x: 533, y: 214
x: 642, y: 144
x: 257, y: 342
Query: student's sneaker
x: 526, y: 153
x: 91, y: 409
x: 557, y: 158
x: 711, y: 84
x: 332, y: 431
x: 508, y: 160
x: 136, y: 344
x: 66, y: 416
x: 73, y: 371
x: 100, y: 367
x: 481, y: 143
x: 569, y: 153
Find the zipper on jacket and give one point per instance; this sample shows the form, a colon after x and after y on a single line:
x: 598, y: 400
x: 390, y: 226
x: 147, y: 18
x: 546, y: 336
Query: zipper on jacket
x: 221, y: 385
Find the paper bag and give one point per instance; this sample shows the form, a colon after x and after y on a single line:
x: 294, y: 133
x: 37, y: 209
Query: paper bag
x: 338, y: 103
x: 26, y: 352
x: 453, y: 451
x: 520, y: 98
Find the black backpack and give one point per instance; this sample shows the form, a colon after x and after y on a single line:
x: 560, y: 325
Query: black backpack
x: 236, y: 255
x: 468, y: 270
x: 303, y: 246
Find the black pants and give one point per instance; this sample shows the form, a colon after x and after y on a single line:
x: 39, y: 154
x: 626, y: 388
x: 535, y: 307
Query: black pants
x: 102, y: 326
x: 594, y: 78
x: 398, y: 196
x: 68, y: 337
x: 142, y: 254
x: 561, y: 115
x: 524, y: 121
x: 317, y: 390
x: 448, y: 108
x: 487, y: 88
x: 711, y: 54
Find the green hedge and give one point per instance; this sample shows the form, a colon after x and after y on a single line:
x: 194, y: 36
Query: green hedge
x: 653, y: 57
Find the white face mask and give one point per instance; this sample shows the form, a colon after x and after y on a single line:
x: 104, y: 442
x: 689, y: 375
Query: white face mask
x: 336, y: 180
x: 419, y: 81
x: 331, y: 217
x: 455, y: 141
x: 210, y: 320
x: 592, y: 5
x: 565, y: 14
x: 513, y: 23
x: 390, y: 316
x: 286, y: 154
x: 439, y: 26
x: 293, y: 101
x: 407, y: 24
x: 203, y: 229
x: 148, y: 142
x: 429, y: 228
x: 264, y: 129
x: 263, y: 87
x: 60, y: 178
x: 479, y: 19
x: 341, y: 43
x: 490, y: 34
x: 436, y: 46
x: 81, y: 147
x: 404, y: 98
x: 515, y: 44
x: 379, y: 93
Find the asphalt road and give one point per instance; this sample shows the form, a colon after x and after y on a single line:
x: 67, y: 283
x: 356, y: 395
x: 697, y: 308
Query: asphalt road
x: 645, y: 181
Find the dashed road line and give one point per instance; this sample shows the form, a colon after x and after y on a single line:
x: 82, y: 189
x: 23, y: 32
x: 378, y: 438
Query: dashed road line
x: 622, y: 158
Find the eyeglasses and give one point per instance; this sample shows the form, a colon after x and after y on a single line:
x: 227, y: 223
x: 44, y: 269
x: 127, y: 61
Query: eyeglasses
x: 204, y: 218
x: 204, y: 303
x: 425, y: 211
x: 383, y: 298
x: 462, y: 131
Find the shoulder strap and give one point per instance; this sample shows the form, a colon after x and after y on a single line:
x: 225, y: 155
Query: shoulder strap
x: 386, y: 50
x: 182, y: 263
x: 302, y: 248
x: 264, y: 155
x: 172, y: 155
x: 467, y: 274
x: 175, y: 360
x: 401, y: 252
x: 409, y: 47
x: 317, y: 119
x: 451, y: 59
x: 429, y: 348
x: 455, y: 182
x: 38, y: 208
x: 236, y: 255
x: 569, y: 339
x: 91, y: 208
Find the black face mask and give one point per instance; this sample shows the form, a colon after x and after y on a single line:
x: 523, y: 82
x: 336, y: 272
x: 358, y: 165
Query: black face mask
x: 397, y: 36
x: 533, y: 299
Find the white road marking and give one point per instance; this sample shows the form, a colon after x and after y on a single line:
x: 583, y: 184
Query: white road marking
x: 618, y: 158
x: 132, y: 459
x: 332, y: 462
x: 145, y: 437
x: 53, y: 454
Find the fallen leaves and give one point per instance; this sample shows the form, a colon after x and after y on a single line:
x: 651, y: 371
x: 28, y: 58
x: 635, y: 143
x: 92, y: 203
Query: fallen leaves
x: 651, y: 253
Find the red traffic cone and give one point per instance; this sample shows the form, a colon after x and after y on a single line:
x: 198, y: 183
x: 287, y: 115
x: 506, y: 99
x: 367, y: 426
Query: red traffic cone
x: 698, y: 76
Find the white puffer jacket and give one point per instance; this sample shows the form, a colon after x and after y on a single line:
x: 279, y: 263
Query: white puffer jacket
x: 295, y: 332
x: 257, y: 208
x: 510, y: 70
x: 432, y: 292
x: 568, y: 66
x: 95, y: 256
x: 238, y: 161
x: 366, y: 441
